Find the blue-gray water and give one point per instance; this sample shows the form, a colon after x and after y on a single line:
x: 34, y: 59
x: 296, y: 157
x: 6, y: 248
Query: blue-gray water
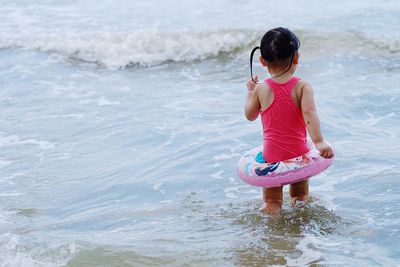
x: 121, y: 123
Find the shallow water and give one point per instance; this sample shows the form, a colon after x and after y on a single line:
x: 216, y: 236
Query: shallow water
x: 120, y: 130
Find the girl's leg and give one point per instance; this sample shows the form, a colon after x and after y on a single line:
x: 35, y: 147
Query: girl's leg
x: 272, y: 199
x: 299, y: 191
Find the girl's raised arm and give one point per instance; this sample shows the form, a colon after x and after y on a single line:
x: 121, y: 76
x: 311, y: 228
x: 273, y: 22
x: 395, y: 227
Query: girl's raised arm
x: 252, y: 105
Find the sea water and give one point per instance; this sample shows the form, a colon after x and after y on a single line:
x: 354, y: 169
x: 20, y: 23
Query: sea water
x: 121, y: 123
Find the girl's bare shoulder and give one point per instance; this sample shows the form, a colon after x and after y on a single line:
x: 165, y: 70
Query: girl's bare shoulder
x: 263, y: 89
x: 301, y: 84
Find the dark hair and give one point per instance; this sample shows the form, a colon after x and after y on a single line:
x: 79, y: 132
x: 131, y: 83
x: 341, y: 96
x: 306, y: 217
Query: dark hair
x: 278, y: 46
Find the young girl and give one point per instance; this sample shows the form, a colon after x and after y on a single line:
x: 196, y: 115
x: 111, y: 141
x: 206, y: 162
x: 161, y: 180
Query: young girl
x: 287, y: 109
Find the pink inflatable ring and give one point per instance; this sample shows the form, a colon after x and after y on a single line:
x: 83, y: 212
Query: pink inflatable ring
x: 281, y: 173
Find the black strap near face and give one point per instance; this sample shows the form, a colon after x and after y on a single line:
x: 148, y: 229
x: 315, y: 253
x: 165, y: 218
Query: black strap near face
x: 251, y: 62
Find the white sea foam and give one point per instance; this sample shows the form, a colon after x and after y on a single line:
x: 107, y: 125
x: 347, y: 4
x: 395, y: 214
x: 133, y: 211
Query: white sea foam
x: 16, y: 140
x: 140, y: 48
x: 157, y: 187
x: 102, y: 101
x: 13, y: 253
x: 372, y: 120
x: 217, y: 175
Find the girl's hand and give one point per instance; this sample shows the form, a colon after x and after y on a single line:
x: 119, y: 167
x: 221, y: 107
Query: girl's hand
x: 251, y: 85
x: 325, y: 150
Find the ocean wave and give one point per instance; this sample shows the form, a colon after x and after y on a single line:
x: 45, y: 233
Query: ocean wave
x: 351, y: 41
x: 141, y: 48
x: 151, y: 48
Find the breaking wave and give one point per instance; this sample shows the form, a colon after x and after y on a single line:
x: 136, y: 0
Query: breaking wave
x: 141, y: 48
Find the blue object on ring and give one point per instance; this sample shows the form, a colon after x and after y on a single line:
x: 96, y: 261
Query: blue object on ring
x: 259, y: 158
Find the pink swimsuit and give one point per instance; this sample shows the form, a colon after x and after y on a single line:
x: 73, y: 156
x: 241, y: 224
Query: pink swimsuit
x: 285, y: 134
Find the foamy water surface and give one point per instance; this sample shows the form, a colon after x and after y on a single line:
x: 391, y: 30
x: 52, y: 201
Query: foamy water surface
x: 121, y: 125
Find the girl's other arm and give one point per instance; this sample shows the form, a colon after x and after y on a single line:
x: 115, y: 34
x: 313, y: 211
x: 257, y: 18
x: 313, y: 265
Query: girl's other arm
x: 252, y: 105
x: 312, y: 121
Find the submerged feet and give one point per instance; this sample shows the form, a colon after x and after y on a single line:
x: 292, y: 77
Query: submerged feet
x: 299, y: 192
x: 272, y: 209
x: 273, y: 198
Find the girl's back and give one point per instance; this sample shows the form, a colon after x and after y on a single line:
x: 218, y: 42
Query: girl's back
x: 285, y: 134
